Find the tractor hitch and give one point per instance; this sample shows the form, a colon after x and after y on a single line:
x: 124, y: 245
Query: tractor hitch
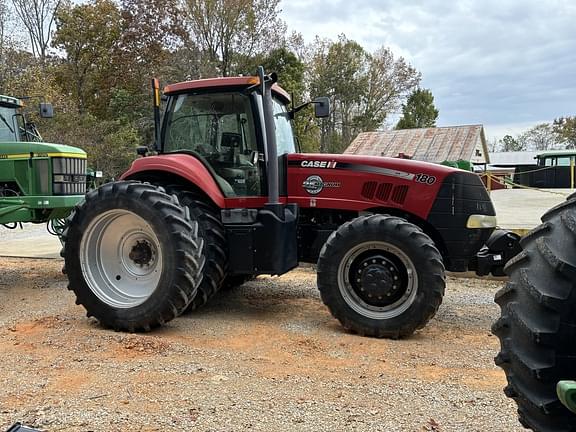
x: 500, y: 247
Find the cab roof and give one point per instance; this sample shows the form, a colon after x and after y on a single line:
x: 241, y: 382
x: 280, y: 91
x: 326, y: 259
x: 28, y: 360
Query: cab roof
x: 10, y: 102
x: 216, y: 83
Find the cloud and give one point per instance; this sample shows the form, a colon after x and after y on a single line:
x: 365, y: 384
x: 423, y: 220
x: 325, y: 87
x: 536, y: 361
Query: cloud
x: 497, y: 62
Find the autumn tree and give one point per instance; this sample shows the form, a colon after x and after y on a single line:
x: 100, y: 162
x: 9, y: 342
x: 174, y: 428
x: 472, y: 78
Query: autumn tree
x: 539, y: 137
x: 37, y: 16
x: 231, y: 32
x: 565, y: 128
x: 418, y: 111
x: 364, y: 88
x: 88, y: 34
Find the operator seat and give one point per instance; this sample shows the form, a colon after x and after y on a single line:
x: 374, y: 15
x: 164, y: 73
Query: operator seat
x: 225, y: 186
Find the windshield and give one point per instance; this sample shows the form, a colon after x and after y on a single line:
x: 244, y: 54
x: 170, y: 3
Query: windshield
x: 8, y: 129
x: 284, y: 135
x: 211, y: 124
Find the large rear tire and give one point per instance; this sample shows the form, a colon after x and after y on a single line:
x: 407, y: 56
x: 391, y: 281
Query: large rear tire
x: 132, y: 256
x: 381, y: 276
x: 537, y: 326
x: 210, y: 229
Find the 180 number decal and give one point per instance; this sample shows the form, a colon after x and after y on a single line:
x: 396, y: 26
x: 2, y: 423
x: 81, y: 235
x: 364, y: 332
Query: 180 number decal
x: 425, y: 178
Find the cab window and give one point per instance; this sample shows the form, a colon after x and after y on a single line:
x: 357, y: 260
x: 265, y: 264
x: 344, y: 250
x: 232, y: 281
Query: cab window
x: 219, y: 127
x: 284, y: 136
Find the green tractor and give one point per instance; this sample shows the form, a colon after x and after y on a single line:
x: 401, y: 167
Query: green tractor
x: 39, y: 181
x: 537, y: 326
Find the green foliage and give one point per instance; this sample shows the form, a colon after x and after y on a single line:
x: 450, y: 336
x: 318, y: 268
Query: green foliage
x: 419, y: 111
x: 88, y: 34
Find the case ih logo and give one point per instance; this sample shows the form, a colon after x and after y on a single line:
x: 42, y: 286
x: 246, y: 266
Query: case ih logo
x: 318, y: 164
x: 314, y: 185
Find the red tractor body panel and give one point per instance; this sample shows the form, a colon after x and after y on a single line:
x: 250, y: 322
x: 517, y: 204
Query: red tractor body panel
x: 352, y: 182
x: 182, y: 165
x: 323, y: 181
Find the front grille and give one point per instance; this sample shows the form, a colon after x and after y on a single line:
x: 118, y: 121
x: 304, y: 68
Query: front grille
x: 68, y: 176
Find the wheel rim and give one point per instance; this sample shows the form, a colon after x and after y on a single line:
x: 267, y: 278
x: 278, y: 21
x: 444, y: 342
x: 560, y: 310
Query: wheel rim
x: 121, y: 258
x: 377, y: 280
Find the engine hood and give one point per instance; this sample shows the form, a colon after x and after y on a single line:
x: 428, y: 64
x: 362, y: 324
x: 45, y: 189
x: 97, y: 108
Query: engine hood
x: 25, y: 149
x: 400, y: 168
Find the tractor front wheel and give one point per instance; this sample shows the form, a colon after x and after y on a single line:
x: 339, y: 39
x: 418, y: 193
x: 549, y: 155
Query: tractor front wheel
x: 132, y: 256
x: 381, y: 276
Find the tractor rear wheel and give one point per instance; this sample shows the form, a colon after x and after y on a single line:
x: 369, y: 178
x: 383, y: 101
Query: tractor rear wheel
x: 133, y: 256
x: 537, y: 326
x: 210, y: 228
x: 381, y: 276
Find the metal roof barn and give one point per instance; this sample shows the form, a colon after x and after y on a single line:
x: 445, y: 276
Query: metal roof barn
x: 428, y: 144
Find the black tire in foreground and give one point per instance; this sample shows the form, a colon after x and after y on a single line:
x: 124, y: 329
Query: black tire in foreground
x: 381, y: 276
x: 132, y: 256
x: 537, y: 326
x: 210, y: 229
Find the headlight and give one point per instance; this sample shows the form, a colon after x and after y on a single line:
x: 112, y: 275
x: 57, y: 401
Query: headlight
x: 59, y: 178
x: 481, y: 221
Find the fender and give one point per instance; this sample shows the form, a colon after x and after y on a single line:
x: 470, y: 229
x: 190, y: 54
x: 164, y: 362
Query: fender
x: 183, y: 165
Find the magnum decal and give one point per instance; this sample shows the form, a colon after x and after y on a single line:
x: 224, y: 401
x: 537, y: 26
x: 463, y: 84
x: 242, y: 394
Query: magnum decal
x: 314, y: 184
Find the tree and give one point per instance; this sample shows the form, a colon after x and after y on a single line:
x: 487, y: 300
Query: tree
x: 151, y: 32
x: 231, y: 32
x: 509, y: 143
x: 565, y: 128
x: 4, y: 42
x: 364, y: 88
x: 88, y: 34
x: 37, y: 16
x: 419, y: 111
x: 540, y: 137
x: 390, y: 81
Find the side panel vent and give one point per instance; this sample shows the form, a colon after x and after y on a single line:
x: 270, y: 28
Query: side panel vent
x: 383, y: 191
x: 399, y: 194
x: 368, y: 190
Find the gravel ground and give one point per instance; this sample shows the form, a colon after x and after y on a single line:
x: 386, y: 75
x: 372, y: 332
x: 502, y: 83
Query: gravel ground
x: 264, y: 357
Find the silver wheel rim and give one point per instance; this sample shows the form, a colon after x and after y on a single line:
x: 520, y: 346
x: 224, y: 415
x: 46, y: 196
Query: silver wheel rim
x: 121, y: 259
x: 359, y: 305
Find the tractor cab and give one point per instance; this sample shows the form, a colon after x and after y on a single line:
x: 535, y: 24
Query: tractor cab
x: 14, y: 126
x: 218, y: 121
x: 9, y: 127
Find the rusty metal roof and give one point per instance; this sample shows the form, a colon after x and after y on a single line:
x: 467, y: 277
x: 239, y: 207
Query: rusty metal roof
x: 429, y: 144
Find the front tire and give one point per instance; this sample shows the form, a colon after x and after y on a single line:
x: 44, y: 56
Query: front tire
x: 132, y: 256
x: 537, y: 326
x: 381, y: 276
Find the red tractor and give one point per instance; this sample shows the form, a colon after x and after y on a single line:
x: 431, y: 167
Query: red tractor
x: 228, y: 196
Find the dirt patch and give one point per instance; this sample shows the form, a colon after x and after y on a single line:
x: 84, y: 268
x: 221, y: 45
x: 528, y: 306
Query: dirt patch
x: 266, y: 356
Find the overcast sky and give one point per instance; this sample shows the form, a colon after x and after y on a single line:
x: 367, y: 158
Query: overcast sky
x: 506, y: 64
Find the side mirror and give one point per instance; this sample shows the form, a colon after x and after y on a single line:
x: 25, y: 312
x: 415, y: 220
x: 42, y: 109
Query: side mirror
x: 321, y: 107
x: 46, y: 110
